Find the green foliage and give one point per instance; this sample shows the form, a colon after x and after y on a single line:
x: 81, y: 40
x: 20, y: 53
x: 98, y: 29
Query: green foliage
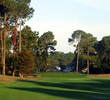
x: 84, y: 49
x: 64, y: 58
x: 51, y: 63
x: 46, y: 46
x: 21, y: 9
x: 47, y: 40
x: 29, y: 39
x: 12, y: 13
x: 103, y: 49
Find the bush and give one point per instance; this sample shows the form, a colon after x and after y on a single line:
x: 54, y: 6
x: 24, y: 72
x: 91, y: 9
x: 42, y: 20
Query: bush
x: 26, y: 63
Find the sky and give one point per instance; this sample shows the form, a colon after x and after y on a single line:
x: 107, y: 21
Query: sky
x: 63, y: 17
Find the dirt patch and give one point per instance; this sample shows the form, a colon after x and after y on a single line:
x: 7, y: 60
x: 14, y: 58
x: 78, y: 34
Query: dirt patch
x: 101, y: 75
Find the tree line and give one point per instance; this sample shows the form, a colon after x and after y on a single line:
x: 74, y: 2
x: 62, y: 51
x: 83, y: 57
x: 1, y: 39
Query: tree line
x: 24, y: 52
x: 91, y: 55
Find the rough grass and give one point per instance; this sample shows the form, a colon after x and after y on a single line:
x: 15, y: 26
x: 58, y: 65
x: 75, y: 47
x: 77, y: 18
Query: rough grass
x: 5, y: 79
x: 57, y: 86
x: 101, y: 75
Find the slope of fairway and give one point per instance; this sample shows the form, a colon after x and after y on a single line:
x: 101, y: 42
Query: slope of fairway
x: 57, y: 86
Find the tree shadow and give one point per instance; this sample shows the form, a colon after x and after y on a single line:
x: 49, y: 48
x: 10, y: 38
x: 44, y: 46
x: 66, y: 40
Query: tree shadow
x: 100, y: 90
x: 97, y: 86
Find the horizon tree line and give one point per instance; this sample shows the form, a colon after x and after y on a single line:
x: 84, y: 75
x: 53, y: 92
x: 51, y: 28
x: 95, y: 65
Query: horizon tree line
x: 24, y: 51
x: 91, y: 54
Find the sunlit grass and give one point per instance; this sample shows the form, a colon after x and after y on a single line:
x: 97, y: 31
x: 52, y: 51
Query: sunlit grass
x: 57, y: 86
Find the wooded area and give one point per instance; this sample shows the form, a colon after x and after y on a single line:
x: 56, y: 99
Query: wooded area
x: 25, y: 52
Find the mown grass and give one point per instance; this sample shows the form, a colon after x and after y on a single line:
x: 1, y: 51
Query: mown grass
x: 57, y: 86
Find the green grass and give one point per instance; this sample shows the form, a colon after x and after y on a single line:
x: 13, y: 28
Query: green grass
x: 57, y: 86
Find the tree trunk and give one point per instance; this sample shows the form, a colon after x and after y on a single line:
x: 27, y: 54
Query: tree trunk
x: 88, y: 63
x: 4, y: 53
x: 87, y: 66
x: 14, y: 52
x: 77, y: 65
x: 13, y: 61
x: 20, y: 38
x: 4, y: 47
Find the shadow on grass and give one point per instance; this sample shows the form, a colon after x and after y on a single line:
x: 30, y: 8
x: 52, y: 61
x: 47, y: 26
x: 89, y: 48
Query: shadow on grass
x: 102, y: 86
x: 99, y: 90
